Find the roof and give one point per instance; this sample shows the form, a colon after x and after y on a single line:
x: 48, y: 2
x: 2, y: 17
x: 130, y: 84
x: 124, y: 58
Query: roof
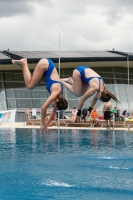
x: 67, y: 56
x: 4, y: 59
x: 69, y: 59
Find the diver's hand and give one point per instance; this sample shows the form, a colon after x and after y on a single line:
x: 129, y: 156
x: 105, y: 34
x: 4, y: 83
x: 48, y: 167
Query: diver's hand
x: 43, y: 126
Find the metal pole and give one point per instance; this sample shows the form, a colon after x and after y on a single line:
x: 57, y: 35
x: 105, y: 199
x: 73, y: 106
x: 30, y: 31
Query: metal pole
x: 59, y: 76
x: 59, y: 54
x: 128, y: 88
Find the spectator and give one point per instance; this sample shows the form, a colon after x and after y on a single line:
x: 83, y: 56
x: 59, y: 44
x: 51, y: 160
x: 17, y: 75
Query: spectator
x: 60, y: 113
x: 52, y: 121
x: 120, y: 116
x: 33, y: 113
x: 124, y: 115
x: 27, y: 113
x: 131, y: 116
x: 84, y: 114
x: 107, y: 107
x: 74, y: 114
x: 94, y: 116
x: 117, y: 115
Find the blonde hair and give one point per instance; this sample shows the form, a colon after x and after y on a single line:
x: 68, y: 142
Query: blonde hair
x: 106, y: 96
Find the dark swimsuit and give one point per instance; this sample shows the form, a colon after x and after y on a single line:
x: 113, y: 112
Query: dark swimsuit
x: 81, y: 70
x: 107, y: 113
x: 47, y: 74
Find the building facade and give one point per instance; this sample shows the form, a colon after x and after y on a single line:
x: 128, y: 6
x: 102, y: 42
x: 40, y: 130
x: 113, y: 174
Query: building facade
x: 116, y: 68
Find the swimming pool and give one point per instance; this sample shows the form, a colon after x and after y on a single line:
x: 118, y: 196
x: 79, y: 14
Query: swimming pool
x: 70, y: 164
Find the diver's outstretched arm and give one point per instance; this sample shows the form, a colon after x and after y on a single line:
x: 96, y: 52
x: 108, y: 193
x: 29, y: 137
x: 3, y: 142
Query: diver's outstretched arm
x: 50, y: 99
x: 93, y: 102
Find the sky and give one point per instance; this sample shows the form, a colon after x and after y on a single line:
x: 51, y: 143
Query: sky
x: 81, y: 25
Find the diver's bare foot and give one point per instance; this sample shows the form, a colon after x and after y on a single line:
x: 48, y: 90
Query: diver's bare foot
x: 68, y: 80
x: 22, y: 62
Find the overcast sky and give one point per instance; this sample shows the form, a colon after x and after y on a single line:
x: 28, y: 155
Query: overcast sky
x: 83, y: 25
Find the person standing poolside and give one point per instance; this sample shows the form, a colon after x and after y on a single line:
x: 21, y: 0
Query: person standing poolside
x: 74, y: 114
x: 27, y: 113
x: 107, y: 107
x: 45, y: 67
x: 94, y: 116
x: 87, y: 82
x: 131, y: 116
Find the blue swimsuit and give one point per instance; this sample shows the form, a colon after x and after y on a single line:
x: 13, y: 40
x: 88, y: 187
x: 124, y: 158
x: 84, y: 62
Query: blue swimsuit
x: 81, y: 70
x: 47, y: 74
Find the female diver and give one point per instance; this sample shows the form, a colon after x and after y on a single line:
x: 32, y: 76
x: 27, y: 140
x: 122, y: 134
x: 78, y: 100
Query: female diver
x: 45, y: 67
x: 87, y: 82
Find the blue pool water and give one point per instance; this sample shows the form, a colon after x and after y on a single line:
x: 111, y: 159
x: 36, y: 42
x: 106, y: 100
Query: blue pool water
x: 70, y: 164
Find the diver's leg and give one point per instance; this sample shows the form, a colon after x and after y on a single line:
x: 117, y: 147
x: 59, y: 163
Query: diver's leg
x: 32, y: 80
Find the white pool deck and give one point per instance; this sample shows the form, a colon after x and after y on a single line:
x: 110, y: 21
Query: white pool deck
x: 23, y: 125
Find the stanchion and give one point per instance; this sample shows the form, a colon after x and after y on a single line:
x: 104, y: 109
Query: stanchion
x: 114, y: 111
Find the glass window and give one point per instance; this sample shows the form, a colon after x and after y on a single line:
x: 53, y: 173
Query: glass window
x: 38, y: 94
x: 3, y: 104
x: 131, y: 81
x: 102, y: 69
x: 37, y: 103
x: 117, y: 69
x: 11, y: 103
x: 125, y: 76
x: 18, y: 77
x: 72, y: 103
x: 1, y: 85
x: 42, y: 101
x: 125, y: 81
x: 122, y: 97
x: 123, y: 106
x: 87, y: 103
x: 1, y: 81
x: 104, y: 74
x: 24, y: 103
x: 9, y: 85
x: 19, y: 85
x: 130, y: 97
x: 1, y: 76
x: 66, y: 72
x: 65, y: 95
x: 107, y: 81
x: 22, y: 93
x: 116, y: 95
x: 130, y: 76
x: 115, y: 88
x: 119, y: 81
x: 10, y: 93
x: 131, y: 105
x: 109, y: 87
x: 2, y: 93
x: 118, y: 75
x: 129, y: 87
x: 121, y: 88
x: 40, y: 87
x: 8, y: 76
x: 124, y: 70
x: 70, y: 95
x: 99, y: 106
